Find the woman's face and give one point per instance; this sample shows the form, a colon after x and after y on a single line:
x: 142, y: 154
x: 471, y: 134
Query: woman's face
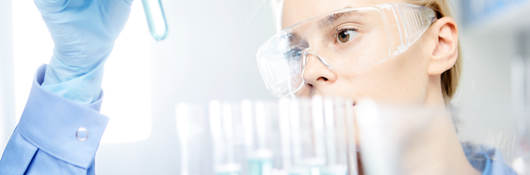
x: 361, y: 62
x: 356, y: 55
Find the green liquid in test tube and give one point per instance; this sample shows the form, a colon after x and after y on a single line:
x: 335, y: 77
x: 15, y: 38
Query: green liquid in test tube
x: 260, y: 167
x: 156, y: 18
x: 261, y: 163
x: 228, y: 169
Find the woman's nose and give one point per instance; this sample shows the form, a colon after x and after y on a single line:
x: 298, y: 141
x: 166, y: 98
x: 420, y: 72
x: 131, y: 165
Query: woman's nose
x: 317, y: 72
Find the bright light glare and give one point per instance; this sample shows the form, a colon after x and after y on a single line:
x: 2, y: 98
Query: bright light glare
x: 519, y: 166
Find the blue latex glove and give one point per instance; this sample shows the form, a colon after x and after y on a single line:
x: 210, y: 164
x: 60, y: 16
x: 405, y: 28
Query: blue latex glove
x: 84, y: 32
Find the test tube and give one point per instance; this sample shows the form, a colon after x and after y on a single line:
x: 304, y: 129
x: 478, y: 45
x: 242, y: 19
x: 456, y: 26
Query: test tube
x: 318, y: 137
x: 224, y: 126
x: 156, y: 18
x: 260, y: 160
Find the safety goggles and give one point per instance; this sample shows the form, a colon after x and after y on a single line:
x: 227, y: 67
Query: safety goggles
x: 351, y: 39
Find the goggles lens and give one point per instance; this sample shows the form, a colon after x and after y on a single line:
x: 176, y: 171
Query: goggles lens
x: 348, y: 39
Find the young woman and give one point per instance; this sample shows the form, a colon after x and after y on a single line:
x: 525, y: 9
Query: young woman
x: 401, y: 52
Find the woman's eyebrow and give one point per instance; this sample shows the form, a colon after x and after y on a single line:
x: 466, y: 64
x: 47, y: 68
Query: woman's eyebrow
x: 295, y: 39
x: 345, y: 12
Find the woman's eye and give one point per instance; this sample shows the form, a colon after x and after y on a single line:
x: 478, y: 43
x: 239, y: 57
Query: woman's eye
x: 346, y: 35
x: 293, y: 53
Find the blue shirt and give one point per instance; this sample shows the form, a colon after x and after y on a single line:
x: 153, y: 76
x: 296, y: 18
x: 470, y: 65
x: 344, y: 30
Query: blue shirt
x: 60, y: 136
x: 54, y: 135
x: 486, y: 160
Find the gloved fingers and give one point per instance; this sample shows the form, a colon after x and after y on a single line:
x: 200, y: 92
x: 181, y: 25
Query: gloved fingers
x: 115, y: 7
x: 116, y: 13
x: 129, y: 2
x: 51, y: 6
x: 47, y: 6
x: 117, y: 3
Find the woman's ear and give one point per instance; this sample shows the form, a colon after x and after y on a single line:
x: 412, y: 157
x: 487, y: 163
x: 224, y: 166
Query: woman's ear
x: 445, y: 50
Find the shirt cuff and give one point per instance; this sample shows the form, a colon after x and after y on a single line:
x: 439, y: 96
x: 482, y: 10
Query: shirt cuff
x: 62, y: 128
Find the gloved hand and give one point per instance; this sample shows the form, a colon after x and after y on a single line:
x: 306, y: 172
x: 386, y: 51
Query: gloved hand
x: 84, y: 32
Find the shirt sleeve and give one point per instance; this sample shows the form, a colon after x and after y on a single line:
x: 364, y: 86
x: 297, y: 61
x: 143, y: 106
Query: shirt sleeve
x: 54, y: 135
x: 487, y: 160
x: 497, y: 166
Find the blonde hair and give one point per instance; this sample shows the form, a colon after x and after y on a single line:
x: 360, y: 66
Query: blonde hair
x: 449, y: 78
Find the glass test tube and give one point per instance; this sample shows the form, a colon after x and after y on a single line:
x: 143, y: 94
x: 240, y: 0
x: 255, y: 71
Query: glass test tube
x: 316, y: 137
x: 260, y: 159
x: 224, y: 126
x: 156, y: 18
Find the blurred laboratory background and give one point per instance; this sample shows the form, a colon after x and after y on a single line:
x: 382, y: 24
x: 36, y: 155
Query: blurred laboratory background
x: 210, y: 54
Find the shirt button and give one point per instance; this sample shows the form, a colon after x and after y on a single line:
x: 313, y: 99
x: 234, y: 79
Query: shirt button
x: 81, y: 134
